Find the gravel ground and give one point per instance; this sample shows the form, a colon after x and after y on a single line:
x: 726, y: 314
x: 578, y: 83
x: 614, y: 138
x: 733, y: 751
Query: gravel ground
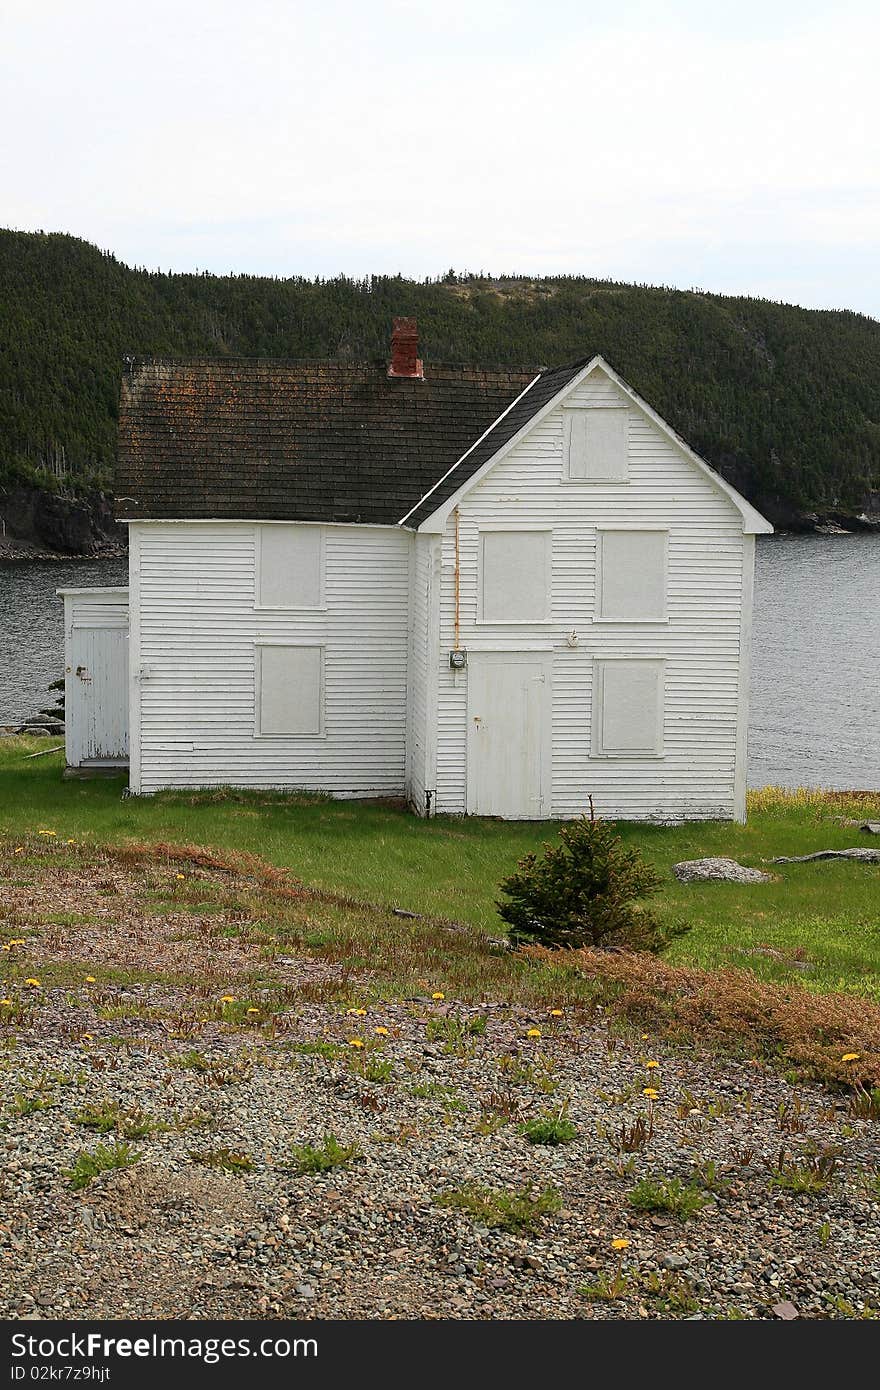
x: 172, y: 1237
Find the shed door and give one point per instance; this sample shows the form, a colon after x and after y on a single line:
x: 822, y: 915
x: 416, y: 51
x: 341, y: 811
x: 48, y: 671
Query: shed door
x: 509, y: 744
x: 96, y: 695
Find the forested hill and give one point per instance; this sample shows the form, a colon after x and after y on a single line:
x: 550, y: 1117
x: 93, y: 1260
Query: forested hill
x: 785, y: 402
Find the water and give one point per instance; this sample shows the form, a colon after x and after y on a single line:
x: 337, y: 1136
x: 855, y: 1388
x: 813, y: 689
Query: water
x: 32, y: 627
x: 815, y: 713
x: 815, y: 708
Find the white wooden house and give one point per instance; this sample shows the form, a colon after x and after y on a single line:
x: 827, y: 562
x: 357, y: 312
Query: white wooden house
x: 492, y: 592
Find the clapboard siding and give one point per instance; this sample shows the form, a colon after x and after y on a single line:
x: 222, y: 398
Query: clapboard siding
x: 699, y: 643
x: 195, y: 662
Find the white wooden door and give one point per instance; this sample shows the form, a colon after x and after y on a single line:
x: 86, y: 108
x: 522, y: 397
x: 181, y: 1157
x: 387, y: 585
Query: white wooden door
x: 96, y: 695
x: 509, y: 743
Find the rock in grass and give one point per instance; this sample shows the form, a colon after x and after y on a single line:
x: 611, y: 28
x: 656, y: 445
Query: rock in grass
x: 714, y: 869
x: 867, y: 856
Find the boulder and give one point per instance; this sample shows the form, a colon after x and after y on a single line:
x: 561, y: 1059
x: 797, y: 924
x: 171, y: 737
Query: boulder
x: 719, y: 870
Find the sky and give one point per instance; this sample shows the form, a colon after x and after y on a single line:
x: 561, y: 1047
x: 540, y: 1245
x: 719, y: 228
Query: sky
x: 730, y: 148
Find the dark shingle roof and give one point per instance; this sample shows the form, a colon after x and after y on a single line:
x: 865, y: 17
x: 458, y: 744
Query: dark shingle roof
x: 548, y: 385
x: 309, y: 441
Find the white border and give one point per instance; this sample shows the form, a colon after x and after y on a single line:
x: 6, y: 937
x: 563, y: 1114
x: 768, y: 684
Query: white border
x: 320, y: 607
x: 312, y: 645
x: 598, y: 615
x: 598, y: 711
x: 500, y: 529
x: 602, y: 480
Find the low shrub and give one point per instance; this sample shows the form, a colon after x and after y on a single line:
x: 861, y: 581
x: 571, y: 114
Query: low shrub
x: 584, y: 892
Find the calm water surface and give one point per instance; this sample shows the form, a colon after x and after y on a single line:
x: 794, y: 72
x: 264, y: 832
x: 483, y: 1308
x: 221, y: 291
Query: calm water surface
x: 815, y: 714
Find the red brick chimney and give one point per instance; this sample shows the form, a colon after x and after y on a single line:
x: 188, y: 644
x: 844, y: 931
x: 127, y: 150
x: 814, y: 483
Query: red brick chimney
x: 405, y: 360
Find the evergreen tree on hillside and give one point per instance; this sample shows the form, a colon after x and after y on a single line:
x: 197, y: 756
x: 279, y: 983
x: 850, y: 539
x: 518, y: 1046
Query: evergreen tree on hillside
x: 783, y: 401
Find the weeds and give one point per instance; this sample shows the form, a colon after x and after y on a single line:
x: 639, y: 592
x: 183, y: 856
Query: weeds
x: 550, y: 1128
x: 330, y: 1154
x: 805, y: 1174
x: 864, y: 1103
x: 107, y: 1117
x: 667, y: 1194
x: 633, y: 1138
x: 224, y: 1158
x: 515, y: 1212
x: 100, y: 1160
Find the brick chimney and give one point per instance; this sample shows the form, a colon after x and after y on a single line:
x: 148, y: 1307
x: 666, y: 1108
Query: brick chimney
x: 405, y: 360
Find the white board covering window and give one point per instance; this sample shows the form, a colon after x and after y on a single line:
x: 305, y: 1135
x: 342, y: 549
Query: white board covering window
x: 631, y: 576
x: 596, y: 444
x: 628, y: 708
x: 290, y: 564
x: 290, y: 690
x: 515, y: 576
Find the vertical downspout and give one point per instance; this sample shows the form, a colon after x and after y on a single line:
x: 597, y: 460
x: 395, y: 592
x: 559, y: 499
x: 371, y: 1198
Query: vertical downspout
x: 457, y: 585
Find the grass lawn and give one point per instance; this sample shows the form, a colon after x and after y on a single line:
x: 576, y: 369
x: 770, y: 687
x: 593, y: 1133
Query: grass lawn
x: 825, y: 915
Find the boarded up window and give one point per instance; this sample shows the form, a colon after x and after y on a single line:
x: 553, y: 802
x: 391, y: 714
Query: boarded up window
x: 596, y: 442
x: 290, y: 565
x: 632, y: 576
x: 290, y: 686
x: 628, y: 708
x: 515, y: 576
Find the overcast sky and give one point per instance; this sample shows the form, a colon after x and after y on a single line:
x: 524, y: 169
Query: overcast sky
x: 699, y: 144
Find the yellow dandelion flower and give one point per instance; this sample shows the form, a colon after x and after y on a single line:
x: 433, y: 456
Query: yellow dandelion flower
x: 227, y: 998
x: 20, y: 849
x: 179, y: 875
x: 47, y: 832
x: 86, y: 1037
x: 533, y: 1033
x: 644, y: 1037
x: 6, y: 946
x: 850, y: 1056
x: 652, y: 1065
x: 383, y: 1032
x: 438, y: 994
x: 650, y: 1093
x: 7, y: 1002
x: 90, y: 979
x: 356, y: 1013
x: 620, y: 1244
x: 34, y: 982
x: 253, y: 1011
x: 556, y: 1013
x: 355, y: 1042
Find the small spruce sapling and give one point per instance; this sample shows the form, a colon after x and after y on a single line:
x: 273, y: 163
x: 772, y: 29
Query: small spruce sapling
x: 584, y: 892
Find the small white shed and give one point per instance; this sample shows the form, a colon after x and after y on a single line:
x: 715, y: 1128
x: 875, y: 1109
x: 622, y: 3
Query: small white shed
x: 96, y: 677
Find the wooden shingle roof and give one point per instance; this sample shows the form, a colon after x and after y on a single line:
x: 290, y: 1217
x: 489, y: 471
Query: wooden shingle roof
x: 256, y: 439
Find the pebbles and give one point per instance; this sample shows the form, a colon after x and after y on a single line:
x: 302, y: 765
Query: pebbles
x: 168, y: 1238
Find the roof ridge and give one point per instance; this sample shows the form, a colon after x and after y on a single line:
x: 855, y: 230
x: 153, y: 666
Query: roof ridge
x: 131, y: 362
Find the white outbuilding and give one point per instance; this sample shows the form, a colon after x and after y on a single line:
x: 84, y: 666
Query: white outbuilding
x: 491, y: 591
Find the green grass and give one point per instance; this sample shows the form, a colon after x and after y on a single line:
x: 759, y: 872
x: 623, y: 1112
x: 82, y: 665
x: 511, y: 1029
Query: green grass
x: 823, y: 913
